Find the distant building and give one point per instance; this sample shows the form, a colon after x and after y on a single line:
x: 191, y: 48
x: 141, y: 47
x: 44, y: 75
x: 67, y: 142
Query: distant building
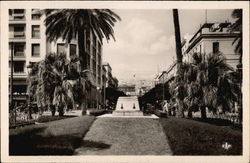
x: 128, y: 89
x: 166, y: 76
x: 212, y: 38
x: 111, y: 81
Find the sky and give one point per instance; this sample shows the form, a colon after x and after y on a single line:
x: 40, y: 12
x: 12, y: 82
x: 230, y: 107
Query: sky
x: 145, y: 41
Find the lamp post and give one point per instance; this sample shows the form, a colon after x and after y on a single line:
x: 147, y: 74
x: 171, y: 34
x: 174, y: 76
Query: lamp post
x: 163, y: 94
x: 97, y: 97
x: 11, y: 87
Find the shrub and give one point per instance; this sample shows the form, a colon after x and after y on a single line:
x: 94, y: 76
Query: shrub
x: 47, y: 118
x: 95, y: 112
x: 160, y: 113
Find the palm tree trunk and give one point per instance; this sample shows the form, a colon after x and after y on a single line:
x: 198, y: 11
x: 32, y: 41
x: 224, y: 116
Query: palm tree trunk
x: 190, y: 115
x: 203, y: 112
x: 179, y: 101
x: 81, y: 49
x: 83, y: 62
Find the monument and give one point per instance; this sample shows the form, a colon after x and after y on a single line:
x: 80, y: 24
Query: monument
x: 127, y: 106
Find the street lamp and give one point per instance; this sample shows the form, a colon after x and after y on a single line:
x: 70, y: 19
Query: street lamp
x: 97, y: 98
x: 163, y: 94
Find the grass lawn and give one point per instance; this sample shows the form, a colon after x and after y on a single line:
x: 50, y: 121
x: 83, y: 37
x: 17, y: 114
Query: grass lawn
x: 190, y: 137
x: 53, y: 138
x: 125, y: 136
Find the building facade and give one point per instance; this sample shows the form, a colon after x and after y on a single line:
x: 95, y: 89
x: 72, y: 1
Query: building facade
x: 27, y: 40
x: 212, y: 38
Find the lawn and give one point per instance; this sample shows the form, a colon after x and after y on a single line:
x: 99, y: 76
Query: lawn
x: 59, y: 137
x: 190, y: 137
x: 125, y: 136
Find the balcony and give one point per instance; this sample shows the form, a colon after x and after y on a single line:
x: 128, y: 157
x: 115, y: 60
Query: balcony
x: 17, y: 18
x: 18, y: 56
x: 17, y: 36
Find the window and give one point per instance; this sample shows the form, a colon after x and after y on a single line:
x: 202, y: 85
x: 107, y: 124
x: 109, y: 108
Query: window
x: 35, y: 31
x: 72, y: 50
x: 18, y: 11
x: 18, y: 31
x: 18, y: 14
x: 35, y: 50
x: 61, y: 48
x: 19, y: 49
x: 215, y: 47
x: 36, y: 14
x: 18, y: 66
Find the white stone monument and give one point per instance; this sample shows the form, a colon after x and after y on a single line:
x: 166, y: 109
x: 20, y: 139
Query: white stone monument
x: 127, y: 106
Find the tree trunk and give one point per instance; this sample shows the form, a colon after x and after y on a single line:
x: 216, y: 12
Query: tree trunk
x: 83, y: 107
x: 180, y: 112
x: 190, y: 115
x: 60, y: 111
x: 203, y: 113
x: 81, y: 49
x: 53, y: 110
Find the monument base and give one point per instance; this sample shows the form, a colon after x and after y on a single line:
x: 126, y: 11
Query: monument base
x: 127, y: 113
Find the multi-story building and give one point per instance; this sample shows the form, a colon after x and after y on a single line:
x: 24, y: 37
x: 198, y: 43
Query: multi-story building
x: 108, y: 73
x: 27, y: 38
x: 212, y: 38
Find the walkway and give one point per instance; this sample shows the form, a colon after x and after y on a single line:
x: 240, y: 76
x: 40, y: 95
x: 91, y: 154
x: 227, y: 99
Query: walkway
x: 125, y: 136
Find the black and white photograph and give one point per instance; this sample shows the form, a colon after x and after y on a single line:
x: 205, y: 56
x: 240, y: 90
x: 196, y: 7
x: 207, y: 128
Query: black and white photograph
x: 138, y: 81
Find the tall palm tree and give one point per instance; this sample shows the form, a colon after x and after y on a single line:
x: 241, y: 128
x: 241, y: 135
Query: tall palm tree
x: 74, y: 23
x: 237, y: 26
x: 179, y: 75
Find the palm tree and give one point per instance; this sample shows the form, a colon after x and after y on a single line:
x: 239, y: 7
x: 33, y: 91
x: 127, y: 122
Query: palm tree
x: 179, y: 75
x: 237, y: 26
x: 75, y: 23
x: 211, y: 84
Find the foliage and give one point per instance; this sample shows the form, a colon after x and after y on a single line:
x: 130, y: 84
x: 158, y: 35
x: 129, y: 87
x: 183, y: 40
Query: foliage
x: 156, y: 94
x: 69, y: 24
x: 43, y: 119
x: 210, y: 82
x: 54, y: 85
x: 112, y: 94
x: 95, y: 112
x: 237, y: 27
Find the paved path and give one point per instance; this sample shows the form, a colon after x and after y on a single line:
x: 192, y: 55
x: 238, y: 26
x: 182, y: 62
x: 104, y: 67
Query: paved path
x: 125, y: 136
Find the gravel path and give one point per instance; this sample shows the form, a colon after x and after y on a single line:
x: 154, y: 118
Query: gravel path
x: 125, y: 136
